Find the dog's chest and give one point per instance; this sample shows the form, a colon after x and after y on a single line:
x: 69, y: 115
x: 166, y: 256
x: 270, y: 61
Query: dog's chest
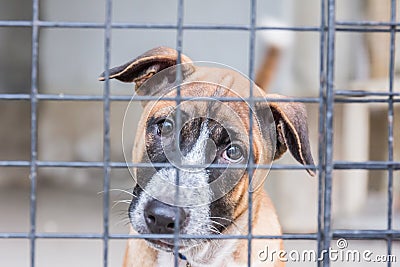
x: 167, y: 259
x: 209, y: 256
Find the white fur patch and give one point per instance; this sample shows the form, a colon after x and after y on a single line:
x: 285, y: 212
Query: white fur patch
x: 194, y: 191
x: 198, y: 153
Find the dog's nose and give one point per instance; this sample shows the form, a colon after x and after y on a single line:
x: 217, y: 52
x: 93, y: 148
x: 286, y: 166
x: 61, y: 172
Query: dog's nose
x: 160, y: 217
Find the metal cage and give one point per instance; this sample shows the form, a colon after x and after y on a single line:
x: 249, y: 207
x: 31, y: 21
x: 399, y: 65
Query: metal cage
x: 328, y: 96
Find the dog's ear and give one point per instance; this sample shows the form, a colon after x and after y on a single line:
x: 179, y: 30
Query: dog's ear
x: 292, y: 131
x: 142, y: 68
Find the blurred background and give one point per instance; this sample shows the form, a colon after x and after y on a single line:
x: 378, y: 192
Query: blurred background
x: 70, y: 60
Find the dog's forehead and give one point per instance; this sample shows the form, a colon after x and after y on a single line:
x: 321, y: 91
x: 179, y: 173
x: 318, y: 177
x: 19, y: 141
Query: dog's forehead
x: 203, y: 99
x: 236, y: 82
x: 215, y: 83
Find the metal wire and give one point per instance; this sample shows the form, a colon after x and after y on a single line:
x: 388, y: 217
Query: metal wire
x: 349, y: 234
x: 106, y: 131
x: 328, y: 133
x: 337, y: 165
x: 34, y: 128
x: 250, y: 167
x: 390, y: 127
x: 352, y: 97
x: 321, y: 129
x: 362, y: 26
x: 178, y: 117
x: 328, y: 96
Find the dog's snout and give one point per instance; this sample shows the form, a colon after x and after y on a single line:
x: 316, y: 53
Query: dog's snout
x: 160, y: 217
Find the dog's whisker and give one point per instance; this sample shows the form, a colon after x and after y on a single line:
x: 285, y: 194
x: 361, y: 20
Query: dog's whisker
x: 222, y: 218
x: 124, y: 222
x: 226, y: 219
x: 128, y: 202
x: 196, y: 246
x: 219, y: 224
x: 213, y: 222
x: 214, y: 229
x: 120, y: 213
x: 123, y: 191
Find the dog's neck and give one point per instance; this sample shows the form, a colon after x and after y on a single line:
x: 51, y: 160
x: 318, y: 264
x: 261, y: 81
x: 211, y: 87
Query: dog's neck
x: 210, y: 253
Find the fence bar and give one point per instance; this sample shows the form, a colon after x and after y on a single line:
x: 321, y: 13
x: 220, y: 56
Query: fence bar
x: 337, y: 165
x: 321, y: 129
x: 342, y: 26
x: 390, y: 126
x: 33, y: 137
x: 326, y: 101
x: 329, y: 127
x: 250, y: 165
x: 178, y: 117
x: 348, y: 234
x: 351, y: 98
x: 106, y: 132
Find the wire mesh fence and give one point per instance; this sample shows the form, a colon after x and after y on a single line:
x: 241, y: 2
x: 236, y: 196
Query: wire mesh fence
x: 328, y: 96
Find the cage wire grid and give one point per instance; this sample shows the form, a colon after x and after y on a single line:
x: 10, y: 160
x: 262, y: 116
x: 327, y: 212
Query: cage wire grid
x: 328, y: 96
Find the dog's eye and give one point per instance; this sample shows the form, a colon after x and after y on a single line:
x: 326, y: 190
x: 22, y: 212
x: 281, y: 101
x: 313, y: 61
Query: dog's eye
x: 233, y: 153
x: 165, y: 127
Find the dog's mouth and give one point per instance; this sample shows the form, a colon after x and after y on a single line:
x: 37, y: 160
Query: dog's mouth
x: 164, y: 244
x: 168, y: 244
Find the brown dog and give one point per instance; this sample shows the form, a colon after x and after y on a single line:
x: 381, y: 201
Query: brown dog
x: 213, y: 130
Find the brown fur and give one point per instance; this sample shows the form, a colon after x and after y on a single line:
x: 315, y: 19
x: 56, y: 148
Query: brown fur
x: 290, y: 119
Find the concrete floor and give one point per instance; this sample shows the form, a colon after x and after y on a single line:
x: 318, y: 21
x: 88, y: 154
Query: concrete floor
x: 73, y: 210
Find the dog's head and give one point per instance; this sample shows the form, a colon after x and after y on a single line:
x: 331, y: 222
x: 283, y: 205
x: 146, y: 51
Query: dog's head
x: 209, y: 125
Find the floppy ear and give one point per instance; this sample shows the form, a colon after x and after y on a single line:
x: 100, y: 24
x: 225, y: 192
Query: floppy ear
x: 292, y: 131
x: 146, y: 66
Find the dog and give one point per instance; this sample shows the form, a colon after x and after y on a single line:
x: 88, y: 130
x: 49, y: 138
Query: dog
x: 209, y: 200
